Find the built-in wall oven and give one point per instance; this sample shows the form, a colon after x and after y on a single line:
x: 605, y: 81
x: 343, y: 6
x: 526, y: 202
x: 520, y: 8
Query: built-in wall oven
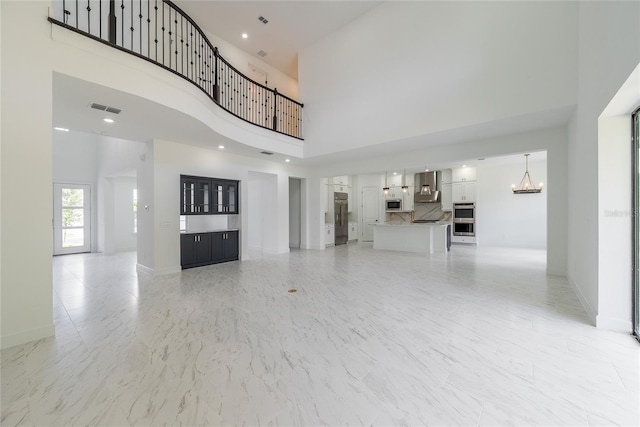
x: 464, y: 219
x: 464, y: 229
x: 464, y: 212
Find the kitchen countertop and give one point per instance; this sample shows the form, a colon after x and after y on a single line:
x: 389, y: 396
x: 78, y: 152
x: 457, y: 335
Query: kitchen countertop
x: 413, y: 224
x: 208, y: 231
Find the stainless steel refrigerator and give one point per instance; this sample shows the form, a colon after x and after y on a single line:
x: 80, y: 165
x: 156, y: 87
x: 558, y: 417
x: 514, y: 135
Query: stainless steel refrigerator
x: 341, y: 209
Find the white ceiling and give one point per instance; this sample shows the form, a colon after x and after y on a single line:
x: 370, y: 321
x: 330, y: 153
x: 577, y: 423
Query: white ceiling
x: 140, y: 120
x: 292, y: 25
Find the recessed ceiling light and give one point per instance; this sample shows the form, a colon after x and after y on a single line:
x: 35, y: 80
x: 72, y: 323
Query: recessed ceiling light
x: 464, y: 166
x: 62, y: 129
x: 245, y: 35
x: 426, y: 170
x: 395, y: 173
x: 108, y: 120
x: 287, y: 160
x: 221, y: 147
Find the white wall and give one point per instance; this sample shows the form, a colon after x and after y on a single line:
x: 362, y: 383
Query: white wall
x: 26, y: 246
x: 609, y: 50
x: 263, y: 212
x: 412, y: 68
x: 615, y: 228
x: 125, y: 238
x: 506, y: 219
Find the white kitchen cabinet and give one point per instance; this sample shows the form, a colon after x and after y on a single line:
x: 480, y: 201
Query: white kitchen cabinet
x: 447, y: 197
x: 407, y: 199
x: 339, y: 188
x: 353, y: 231
x: 329, y: 235
x: 464, y: 174
x: 394, y: 180
x: 447, y: 176
x: 341, y: 180
x: 463, y: 192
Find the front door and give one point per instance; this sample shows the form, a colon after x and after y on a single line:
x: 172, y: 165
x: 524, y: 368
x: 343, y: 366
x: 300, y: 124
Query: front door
x: 71, y: 218
x: 370, y: 211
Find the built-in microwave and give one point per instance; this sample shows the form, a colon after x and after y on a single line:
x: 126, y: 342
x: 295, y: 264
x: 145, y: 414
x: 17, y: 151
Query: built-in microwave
x: 464, y: 212
x: 393, y: 205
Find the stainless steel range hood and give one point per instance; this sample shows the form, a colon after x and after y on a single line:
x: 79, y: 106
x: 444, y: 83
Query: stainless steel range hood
x: 426, y: 188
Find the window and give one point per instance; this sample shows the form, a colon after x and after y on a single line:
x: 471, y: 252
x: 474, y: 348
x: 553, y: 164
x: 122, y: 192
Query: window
x: 183, y: 223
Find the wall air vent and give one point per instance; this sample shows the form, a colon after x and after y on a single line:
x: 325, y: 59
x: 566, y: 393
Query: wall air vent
x: 263, y: 19
x: 267, y: 153
x: 106, y: 108
x: 262, y: 53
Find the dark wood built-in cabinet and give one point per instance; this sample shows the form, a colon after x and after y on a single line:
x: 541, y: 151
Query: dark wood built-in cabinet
x: 198, y: 249
x: 208, y: 196
x: 195, y: 249
x: 224, y: 246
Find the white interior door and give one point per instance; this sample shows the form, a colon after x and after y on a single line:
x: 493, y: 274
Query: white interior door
x: 71, y: 218
x: 370, y: 211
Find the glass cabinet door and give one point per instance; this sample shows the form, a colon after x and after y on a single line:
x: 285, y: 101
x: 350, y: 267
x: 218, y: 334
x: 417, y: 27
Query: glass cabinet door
x: 204, y: 197
x: 219, y: 195
x: 231, y: 195
x: 188, y: 196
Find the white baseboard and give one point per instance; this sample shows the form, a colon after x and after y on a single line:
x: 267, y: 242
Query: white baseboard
x: 157, y: 271
x: 591, y: 313
x: 26, y: 336
x: 612, y: 324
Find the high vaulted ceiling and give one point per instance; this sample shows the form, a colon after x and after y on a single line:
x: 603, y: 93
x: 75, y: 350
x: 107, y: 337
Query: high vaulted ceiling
x: 292, y: 25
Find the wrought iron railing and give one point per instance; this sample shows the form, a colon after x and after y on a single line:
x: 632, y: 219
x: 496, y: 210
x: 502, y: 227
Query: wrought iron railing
x: 160, y: 32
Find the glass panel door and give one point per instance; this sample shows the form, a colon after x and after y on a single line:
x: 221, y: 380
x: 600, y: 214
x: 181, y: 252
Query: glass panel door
x: 636, y: 221
x: 71, y: 218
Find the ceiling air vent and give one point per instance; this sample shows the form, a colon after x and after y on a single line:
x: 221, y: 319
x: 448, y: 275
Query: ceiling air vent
x: 267, y: 153
x: 262, y: 53
x: 106, y: 108
x: 263, y: 19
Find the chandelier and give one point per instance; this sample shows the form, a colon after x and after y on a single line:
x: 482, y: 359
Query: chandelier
x: 526, y: 185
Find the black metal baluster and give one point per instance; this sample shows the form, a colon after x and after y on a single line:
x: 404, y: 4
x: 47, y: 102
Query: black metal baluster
x: 203, y: 66
x: 88, y: 17
x: 176, y: 28
x: 100, y: 17
x: 170, y: 42
x: 182, y: 45
x: 77, y: 14
x: 216, y: 85
x: 112, y: 22
x: 148, y: 29
x: 131, y: 28
x: 140, y: 28
x: 122, y: 22
x: 155, y: 34
x: 163, y: 49
x: 275, y: 107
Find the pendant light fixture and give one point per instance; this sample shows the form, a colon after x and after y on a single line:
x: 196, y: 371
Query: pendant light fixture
x: 405, y: 187
x: 526, y: 185
x: 386, y: 187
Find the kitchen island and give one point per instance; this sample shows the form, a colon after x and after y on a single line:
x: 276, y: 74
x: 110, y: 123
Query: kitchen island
x: 425, y: 238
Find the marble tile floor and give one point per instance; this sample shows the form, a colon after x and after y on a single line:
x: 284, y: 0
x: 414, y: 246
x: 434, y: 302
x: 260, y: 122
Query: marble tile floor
x: 479, y: 336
